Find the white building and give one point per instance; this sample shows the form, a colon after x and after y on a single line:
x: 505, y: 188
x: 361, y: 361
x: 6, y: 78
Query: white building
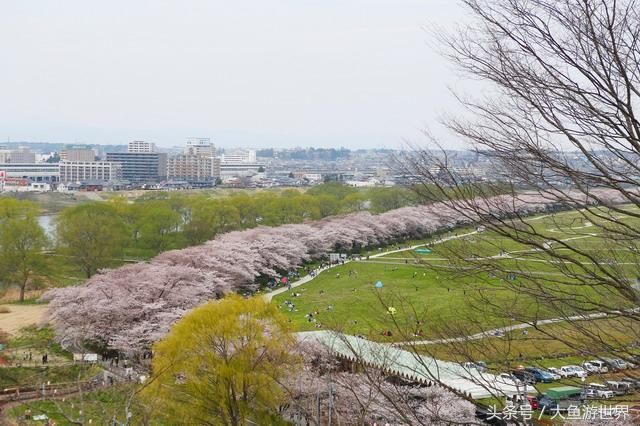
x: 239, y: 156
x: 78, y: 171
x: 239, y: 163
x: 141, y: 147
x: 40, y: 172
x: 239, y: 169
x: 200, y: 146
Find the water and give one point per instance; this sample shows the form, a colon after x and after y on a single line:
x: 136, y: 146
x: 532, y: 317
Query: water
x: 48, y: 224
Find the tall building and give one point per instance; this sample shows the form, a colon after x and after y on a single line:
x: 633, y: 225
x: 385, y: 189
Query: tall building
x: 141, y: 146
x: 196, y: 164
x: 77, y: 153
x: 22, y: 155
x: 200, y: 146
x: 78, y: 171
x: 192, y: 168
x: 141, y: 167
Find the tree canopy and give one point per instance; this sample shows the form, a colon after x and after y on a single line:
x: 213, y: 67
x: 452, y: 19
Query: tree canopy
x: 22, y: 241
x: 222, y: 364
x: 92, y: 235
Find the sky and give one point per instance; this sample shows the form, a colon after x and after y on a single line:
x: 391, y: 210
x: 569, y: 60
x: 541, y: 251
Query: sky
x: 257, y: 73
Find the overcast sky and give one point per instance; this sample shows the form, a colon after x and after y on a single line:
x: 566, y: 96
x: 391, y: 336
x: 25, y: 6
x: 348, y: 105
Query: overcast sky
x: 282, y: 73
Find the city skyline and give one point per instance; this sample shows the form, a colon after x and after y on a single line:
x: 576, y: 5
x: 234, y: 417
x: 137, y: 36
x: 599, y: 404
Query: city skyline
x: 360, y: 74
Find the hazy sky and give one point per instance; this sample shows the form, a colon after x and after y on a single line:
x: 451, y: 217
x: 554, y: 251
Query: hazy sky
x: 354, y: 73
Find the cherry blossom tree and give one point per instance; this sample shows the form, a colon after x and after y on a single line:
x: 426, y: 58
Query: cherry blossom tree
x: 324, y: 392
x: 131, y: 307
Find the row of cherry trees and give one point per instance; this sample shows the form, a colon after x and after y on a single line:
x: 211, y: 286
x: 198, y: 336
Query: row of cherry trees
x: 133, y: 306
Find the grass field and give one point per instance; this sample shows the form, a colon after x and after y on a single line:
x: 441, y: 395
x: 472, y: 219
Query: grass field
x: 536, y: 346
x: 432, y: 301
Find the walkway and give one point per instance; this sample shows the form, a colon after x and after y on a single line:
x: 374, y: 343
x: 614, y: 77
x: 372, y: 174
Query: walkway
x: 413, y: 367
x: 497, y: 332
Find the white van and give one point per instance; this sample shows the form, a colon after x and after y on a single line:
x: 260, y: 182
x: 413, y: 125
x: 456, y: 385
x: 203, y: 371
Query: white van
x: 596, y: 366
x: 619, y: 388
x: 601, y: 390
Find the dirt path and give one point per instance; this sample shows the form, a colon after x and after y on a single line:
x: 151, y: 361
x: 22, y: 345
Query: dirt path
x: 21, y: 316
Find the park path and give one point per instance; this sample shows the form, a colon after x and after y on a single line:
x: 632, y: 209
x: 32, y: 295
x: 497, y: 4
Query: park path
x: 498, y: 332
x: 307, y: 278
x: 482, y: 335
x: 20, y: 316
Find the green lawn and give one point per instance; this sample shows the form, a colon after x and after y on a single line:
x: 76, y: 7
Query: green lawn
x: 536, y: 347
x: 447, y: 304
x: 354, y: 305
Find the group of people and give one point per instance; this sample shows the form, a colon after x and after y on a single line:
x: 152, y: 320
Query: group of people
x: 290, y: 306
x: 28, y: 356
x: 311, y: 317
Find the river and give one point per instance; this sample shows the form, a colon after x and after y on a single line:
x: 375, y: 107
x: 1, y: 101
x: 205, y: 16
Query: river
x: 48, y: 224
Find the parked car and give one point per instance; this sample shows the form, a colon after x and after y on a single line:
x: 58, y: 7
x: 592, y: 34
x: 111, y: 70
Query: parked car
x: 580, y: 372
x: 547, y: 404
x: 541, y: 375
x: 589, y: 393
x: 525, y: 376
x: 595, y: 366
x: 508, y: 379
x: 573, y: 371
x: 563, y: 372
x: 600, y: 390
x: 533, y: 402
x: 617, y: 364
x: 633, y: 383
x: 619, y: 387
x: 554, y: 372
x: 591, y: 369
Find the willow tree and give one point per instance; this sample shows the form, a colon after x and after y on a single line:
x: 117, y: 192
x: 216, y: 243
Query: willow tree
x: 22, y: 241
x: 558, y: 118
x: 91, y: 236
x: 222, y: 364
